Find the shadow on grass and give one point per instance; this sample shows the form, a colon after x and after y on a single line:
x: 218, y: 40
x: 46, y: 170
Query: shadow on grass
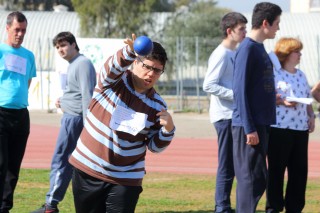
x: 200, y: 211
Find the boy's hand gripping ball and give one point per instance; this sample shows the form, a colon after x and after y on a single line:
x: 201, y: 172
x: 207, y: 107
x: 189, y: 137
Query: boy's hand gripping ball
x: 143, y: 45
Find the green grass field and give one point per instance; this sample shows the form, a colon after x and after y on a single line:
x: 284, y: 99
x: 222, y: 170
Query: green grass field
x: 161, y: 193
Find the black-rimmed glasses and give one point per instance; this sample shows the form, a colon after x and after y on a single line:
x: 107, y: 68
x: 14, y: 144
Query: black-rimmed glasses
x: 151, y: 68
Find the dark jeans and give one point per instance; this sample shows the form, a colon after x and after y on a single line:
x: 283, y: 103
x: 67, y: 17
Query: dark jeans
x: 288, y: 149
x: 250, y: 168
x: 14, y: 133
x: 92, y: 195
x: 225, y: 172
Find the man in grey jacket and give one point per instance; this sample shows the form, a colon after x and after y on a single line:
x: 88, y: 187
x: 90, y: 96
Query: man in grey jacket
x: 81, y: 80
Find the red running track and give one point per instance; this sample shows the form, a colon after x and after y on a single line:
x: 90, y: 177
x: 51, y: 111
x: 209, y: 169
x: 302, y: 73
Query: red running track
x: 184, y: 155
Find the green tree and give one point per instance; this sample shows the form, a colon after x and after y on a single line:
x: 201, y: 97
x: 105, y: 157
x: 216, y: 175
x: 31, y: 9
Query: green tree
x: 190, y: 34
x: 163, y: 6
x: 194, y: 19
x: 34, y: 5
x: 200, y: 19
x: 115, y: 18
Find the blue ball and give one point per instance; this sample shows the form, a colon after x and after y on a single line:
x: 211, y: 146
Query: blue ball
x: 143, y: 45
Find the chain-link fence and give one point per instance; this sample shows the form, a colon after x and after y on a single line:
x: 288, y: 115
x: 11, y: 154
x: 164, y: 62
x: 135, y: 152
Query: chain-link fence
x: 189, y: 57
x: 181, y: 83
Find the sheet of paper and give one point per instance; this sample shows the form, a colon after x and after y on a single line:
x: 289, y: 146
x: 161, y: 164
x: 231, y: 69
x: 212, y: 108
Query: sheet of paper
x: 127, y: 120
x: 15, y: 63
x: 300, y: 100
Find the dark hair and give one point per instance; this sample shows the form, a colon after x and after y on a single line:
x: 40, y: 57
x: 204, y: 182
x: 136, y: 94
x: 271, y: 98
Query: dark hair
x: 65, y: 36
x: 231, y: 20
x: 264, y: 11
x: 16, y: 16
x: 158, y: 53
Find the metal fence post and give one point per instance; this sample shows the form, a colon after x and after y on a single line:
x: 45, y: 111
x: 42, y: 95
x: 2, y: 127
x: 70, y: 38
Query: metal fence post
x: 197, y: 69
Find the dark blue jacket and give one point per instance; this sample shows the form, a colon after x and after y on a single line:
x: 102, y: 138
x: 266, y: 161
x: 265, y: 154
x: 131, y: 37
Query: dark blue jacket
x: 253, y: 87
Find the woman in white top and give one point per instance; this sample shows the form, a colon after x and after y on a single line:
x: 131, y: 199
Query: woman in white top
x: 288, y: 142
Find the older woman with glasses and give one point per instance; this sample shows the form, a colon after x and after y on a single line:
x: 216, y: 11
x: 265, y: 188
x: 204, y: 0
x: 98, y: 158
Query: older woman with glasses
x: 288, y: 142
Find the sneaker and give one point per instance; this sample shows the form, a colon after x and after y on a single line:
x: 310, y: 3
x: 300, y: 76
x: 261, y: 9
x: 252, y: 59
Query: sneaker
x: 225, y: 211
x: 46, y: 209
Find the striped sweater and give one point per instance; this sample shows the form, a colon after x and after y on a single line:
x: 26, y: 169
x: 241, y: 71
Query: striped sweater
x: 114, y: 156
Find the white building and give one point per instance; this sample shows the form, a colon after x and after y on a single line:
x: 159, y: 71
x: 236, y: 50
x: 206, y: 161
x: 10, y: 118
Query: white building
x: 304, y: 6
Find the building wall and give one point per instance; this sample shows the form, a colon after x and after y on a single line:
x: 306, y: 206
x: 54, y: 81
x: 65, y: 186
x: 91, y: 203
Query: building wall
x: 304, y: 6
x: 42, y: 27
x: 300, y: 6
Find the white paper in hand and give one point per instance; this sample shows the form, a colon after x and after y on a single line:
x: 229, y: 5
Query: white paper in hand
x: 307, y: 101
x: 127, y: 120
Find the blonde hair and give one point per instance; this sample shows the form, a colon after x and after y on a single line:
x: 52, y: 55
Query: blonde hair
x: 285, y: 46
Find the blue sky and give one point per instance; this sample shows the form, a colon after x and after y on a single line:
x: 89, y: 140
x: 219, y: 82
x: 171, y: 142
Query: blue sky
x: 246, y: 6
